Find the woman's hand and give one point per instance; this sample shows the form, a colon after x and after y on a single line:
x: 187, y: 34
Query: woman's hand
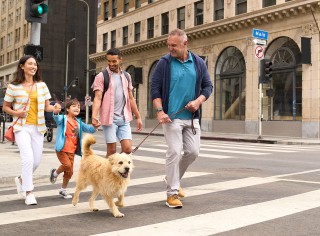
x: 57, y: 108
x: 22, y: 113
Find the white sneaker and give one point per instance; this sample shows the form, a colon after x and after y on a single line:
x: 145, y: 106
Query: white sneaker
x: 19, y: 188
x: 30, y: 199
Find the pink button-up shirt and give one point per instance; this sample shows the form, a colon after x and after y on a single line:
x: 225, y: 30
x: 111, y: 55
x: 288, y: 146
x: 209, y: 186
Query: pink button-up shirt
x: 107, y: 104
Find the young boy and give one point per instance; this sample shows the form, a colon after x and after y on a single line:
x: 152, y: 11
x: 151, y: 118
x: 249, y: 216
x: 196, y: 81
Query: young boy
x: 68, y: 143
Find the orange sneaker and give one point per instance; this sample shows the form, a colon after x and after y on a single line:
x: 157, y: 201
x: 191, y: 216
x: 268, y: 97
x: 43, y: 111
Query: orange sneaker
x: 173, y: 201
x: 181, y: 193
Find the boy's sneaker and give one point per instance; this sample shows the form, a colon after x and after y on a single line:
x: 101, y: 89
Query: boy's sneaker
x: 65, y: 194
x: 19, y: 187
x: 52, y: 178
x: 181, y: 193
x: 173, y: 201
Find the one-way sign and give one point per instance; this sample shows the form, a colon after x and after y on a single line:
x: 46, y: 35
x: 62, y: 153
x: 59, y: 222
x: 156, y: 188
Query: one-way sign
x: 260, y: 34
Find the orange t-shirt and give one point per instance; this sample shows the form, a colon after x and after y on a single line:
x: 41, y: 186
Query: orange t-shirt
x: 72, y: 131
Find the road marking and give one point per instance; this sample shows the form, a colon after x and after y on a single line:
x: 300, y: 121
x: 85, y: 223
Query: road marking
x: 226, y: 220
x: 242, y: 147
x: 133, y: 182
x: 64, y: 210
x: 203, y: 149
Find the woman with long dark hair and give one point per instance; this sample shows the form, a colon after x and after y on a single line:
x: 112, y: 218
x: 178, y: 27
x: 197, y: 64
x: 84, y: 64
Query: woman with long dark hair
x: 26, y: 99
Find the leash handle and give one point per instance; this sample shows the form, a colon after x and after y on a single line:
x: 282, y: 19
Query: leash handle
x: 173, y: 115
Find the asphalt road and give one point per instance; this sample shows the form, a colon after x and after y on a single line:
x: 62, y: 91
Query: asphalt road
x: 232, y: 189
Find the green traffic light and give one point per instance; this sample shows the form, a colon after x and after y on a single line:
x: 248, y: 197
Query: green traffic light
x: 40, y: 10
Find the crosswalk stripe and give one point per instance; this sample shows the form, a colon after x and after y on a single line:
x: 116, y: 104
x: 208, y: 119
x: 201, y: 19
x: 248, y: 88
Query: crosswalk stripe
x: 133, y: 182
x: 241, y: 147
x: 271, y: 146
x: 226, y: 220
x: 64, y: 210
x: 203, y: 154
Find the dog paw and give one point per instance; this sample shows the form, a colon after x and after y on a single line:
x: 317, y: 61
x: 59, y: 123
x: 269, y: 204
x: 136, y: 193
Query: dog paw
x: 118, y: 215
x: 74, y: 202
x: 95, y: 209
x: 119, y: 204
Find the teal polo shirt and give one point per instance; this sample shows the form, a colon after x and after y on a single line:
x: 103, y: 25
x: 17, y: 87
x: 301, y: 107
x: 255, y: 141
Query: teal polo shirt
x: 182, y: 87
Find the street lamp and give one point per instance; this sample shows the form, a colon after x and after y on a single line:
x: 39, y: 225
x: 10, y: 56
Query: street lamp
x: 67, y: 65
x: 87, y: 66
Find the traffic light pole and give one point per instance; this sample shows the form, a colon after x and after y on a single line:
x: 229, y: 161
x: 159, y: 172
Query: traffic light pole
x: 260, y: 105
x: 35, y: 33
x: 87, y: 64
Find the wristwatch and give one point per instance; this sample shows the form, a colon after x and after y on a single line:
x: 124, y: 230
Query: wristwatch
x: 159, y: 109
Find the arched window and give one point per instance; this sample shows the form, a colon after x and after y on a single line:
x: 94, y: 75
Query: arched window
x: 284, y: 91
x: 135, y: 91
x: 151, y: 111
x: 230, y: 85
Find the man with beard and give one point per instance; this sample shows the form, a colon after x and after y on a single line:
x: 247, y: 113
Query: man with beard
x: 112, y: 108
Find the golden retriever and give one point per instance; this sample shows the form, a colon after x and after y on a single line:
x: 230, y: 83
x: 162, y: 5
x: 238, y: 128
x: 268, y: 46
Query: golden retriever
x: 109, y: 177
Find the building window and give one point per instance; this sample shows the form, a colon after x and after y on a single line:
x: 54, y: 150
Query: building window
x: 16, y: 54
x: 17, y: 35
x: 9, y: 39
x: 138, y: 3
x: 25, y: 31
x: 3, y: 24
x: 11, y: 2
x: 106, y: 10
x: 218, y: 9
x: 113, y: 39
x: 165, y: 23
x: 105, y: 41
x: 125, y: 35
x: 10, y: 20
x: 198, y: 13
x: 114, y: 8
x: 150, y: 26
x: 137, y: 31
x: 181, y: 18
x: 241, y: 7
x: 268, y: 3
x: 2, y: 43
x: 125, y: 6
x: 151, y: 1
x: 18, y: 14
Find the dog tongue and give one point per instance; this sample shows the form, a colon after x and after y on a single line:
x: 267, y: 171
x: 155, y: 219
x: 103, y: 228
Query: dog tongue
x: 124, y: 175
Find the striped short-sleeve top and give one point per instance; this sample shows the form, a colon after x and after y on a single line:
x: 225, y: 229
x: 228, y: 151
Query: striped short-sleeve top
x: 18, y: 96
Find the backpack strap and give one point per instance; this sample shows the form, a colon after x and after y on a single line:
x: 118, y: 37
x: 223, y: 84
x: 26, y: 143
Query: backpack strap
x: 106, y: 81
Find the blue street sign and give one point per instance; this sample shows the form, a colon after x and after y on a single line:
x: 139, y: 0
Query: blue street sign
x: 260, y: 34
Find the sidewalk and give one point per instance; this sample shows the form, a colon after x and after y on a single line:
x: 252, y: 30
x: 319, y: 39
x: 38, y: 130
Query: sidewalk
x: 11, y: 166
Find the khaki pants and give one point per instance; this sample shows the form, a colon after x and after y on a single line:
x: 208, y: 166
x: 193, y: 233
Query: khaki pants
x: 183, y: 149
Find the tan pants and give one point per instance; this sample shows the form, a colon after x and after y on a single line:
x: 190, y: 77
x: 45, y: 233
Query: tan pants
x: 183, y: 149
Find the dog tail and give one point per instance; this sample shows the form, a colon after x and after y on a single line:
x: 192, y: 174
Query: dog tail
x: 87, y: 141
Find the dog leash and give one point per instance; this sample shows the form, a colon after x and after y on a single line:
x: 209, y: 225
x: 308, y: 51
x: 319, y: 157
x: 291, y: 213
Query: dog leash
x: 173, y: 115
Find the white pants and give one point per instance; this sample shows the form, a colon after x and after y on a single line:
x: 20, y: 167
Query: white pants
x: 30, y: 143
x: 183, y: 149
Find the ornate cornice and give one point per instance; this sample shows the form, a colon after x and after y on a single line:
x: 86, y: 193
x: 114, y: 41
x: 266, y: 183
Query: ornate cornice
x: 248, y: 20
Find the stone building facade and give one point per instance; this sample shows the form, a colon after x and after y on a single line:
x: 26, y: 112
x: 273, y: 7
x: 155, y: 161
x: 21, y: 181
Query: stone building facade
x: 221, y: 32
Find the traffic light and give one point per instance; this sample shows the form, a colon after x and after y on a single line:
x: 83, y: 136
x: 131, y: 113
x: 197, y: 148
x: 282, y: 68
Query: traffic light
x: 36, y: 11
x: 62, y: 97
x: 76, y: 81
x: 34, y: 50
x: 265, y: 71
